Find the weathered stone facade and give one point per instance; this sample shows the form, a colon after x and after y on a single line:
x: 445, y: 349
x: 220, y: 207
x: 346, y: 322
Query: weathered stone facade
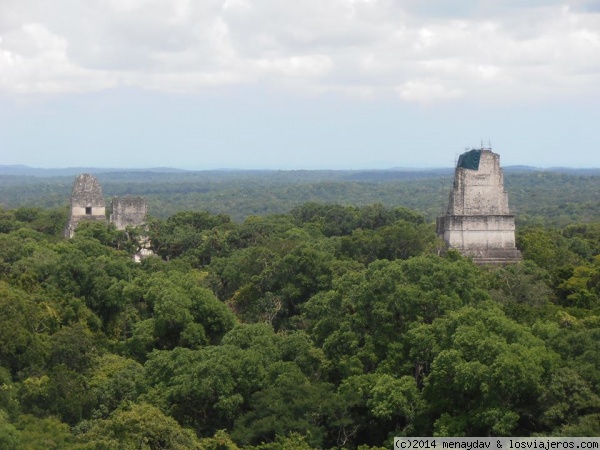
x: 128, y: 211
x: 87, y: 203
x: 478, y: 222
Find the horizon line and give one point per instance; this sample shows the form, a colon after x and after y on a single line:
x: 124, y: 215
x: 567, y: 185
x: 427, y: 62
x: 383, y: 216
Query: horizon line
x: 273, y: 169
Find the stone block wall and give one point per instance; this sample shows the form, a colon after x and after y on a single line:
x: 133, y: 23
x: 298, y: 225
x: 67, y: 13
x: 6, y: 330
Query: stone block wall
x: 87, y: 203
x: 468, y: 232
x: 478, y: 222
x: 479, y: 192
x: 128, y: 211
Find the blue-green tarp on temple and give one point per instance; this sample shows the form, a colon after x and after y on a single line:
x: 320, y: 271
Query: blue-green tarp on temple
x: 470, y: 160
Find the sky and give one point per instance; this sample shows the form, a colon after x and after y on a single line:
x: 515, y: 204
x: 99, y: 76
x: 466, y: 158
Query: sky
x: 311, y: 84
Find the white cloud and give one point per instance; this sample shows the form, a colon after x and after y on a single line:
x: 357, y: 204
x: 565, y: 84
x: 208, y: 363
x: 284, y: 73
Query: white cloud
x: 34, y: 60
x: 297, y: 66
x: 426, y: 92
x: 420, y: 50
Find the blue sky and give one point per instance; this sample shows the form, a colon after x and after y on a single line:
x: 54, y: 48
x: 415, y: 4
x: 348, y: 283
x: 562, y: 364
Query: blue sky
x: 292, y: 85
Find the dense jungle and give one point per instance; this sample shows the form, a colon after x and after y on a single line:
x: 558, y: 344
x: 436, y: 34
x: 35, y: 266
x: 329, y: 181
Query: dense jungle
x: 294, y: 310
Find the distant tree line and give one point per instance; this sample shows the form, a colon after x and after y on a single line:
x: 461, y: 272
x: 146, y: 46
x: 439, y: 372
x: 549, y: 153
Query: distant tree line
x: 533, y: 196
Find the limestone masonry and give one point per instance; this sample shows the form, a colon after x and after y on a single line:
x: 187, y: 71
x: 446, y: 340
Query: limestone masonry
x: 128, y: 211
x: 87, y: 203
x: 478, y: 222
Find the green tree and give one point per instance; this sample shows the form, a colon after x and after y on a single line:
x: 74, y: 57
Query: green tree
x: 584, y: 426
x: 184, y: 313
x: 44, y: 434
x: 139, y: 426
x: 220, y: 441
x: 486, y: 372
x: 74, y: 347
x: 547, y: 248
x: 374, y: 408
x: 566, y: 398
x: 22, y: 347
x: 289, y: 404
x: 303, y: 272
x: 582, y: 288
x: 523, y: 290
x: 206, y: 389
x: 184, y: 231
x: 361, y: 322
x: 114, y: 381
x: 10, y: 438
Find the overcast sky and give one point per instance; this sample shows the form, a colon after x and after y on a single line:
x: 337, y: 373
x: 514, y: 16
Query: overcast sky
x: 298, y: 84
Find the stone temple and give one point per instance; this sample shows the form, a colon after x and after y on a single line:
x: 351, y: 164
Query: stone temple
x: 87, y: 203
x: 128, y: 211
x: 478, y: 223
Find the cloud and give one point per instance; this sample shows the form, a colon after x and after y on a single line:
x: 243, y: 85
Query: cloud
x: 421, y: 51
x: 426, y: 92
x: 34, y: 60
x: 297, y: 66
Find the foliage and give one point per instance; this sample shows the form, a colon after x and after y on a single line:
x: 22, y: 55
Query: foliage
x: 139, y: 426
x: 533, y: 194
x: 332, y: 326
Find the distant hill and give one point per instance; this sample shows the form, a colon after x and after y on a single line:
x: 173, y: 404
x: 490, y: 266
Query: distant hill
x: 574, y: 171
x: 521, y: 169
x: 22, y: 170
x: 395, y: 173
